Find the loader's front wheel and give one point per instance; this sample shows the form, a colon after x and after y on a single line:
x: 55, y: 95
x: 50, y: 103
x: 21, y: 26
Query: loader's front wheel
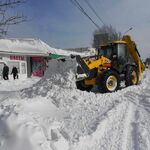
x: 81, y: 86
x: 109, y: 81
x: 131, y: 76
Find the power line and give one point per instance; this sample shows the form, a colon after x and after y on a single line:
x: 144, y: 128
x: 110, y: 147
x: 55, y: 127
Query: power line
x: 77, y: 4
x: 90, y: 6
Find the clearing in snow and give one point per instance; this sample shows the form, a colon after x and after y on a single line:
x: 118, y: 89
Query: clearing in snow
x: 51, y: 114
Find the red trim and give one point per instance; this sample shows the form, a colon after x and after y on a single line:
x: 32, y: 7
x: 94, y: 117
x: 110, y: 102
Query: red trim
x: 13, y: 57
x: 107, y: 65
x: 38, y: 59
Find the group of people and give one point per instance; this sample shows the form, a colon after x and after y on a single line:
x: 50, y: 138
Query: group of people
x: 6, y: 72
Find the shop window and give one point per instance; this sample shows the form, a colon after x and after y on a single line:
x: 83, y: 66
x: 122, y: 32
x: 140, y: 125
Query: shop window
x: 23, y: 68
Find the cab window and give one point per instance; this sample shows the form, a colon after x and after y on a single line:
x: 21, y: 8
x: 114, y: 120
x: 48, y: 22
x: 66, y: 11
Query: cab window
x: 106, y: 52
x: 122, y: 52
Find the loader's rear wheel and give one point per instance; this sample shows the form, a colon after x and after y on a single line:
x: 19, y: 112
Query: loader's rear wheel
x: 81, y: 86
x: 131, y: 76
x: 109, y: 81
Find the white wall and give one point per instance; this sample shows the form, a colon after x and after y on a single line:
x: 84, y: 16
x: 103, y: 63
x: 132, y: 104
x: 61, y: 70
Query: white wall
x: 13, y: 60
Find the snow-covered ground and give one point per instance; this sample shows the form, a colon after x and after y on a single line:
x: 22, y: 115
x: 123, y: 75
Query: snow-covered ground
x: 51, y: 114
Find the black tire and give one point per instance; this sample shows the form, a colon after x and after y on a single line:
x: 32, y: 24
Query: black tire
x: 81, y: 86
x: 109, y: 81
x: 131, y: 77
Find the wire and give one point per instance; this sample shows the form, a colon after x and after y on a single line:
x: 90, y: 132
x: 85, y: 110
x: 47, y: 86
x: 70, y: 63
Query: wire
x: 90, y: 6
x: 127, y: 30
x: 77, y: 4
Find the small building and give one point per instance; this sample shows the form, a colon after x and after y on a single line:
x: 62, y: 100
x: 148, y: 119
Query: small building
x: 28, y: 55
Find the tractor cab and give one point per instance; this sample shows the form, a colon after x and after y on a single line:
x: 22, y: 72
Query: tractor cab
x: 117, y: 52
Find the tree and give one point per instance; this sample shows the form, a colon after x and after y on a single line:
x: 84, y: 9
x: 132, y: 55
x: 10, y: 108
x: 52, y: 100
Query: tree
x: 6, y: 17
x: 147, y: 61
x: 104, y: 35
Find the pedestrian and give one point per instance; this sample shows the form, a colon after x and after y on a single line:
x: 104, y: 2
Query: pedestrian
x: 5, y: 72
x: 14, y: 72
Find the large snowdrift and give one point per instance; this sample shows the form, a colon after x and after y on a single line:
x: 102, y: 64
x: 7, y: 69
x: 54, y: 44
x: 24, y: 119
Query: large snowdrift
x: 53, y: 115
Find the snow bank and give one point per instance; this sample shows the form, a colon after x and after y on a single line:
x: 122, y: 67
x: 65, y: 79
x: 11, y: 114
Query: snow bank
x: 59, y: 75
x: 82, y: 109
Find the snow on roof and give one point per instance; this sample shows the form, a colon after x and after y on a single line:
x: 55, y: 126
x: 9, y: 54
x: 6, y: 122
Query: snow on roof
x: 30, y: 47
x: 24, y: 46
x: 64, y: 52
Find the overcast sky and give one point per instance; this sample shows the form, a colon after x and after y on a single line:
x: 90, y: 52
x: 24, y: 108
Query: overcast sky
x: 61, y: 25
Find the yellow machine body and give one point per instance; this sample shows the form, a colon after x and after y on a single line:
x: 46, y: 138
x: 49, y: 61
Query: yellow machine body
x: 134, y: 54
x: 101, y: 63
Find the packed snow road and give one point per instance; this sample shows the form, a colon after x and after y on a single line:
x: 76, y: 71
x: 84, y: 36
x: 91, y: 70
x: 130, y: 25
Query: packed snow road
x: 51, y: 114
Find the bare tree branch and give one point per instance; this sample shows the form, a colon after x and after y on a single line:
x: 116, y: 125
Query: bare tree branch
x: 105, y: 35
x: 13, y: 20
x: 6, y: 19
x: 10, y: 3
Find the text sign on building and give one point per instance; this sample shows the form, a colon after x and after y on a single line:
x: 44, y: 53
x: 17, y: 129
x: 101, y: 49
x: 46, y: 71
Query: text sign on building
x: 16, y: 57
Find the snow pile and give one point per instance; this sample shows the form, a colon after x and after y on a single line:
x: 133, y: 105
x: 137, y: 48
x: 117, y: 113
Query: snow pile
x: 58, y: 76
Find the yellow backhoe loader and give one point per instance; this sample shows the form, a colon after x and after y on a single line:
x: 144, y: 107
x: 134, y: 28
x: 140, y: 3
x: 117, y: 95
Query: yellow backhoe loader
x: 115, y: 62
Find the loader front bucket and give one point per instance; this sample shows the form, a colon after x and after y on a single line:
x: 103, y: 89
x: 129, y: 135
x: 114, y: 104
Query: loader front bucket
x: 89, y: 73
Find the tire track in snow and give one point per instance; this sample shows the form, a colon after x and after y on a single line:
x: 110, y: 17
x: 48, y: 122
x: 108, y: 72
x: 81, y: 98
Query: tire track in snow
x: 109, y: 131
x: 135, y: 133
x: 140, y: 133
x: 127, y: 127
x: 115, y: 130
x: 121, y: 127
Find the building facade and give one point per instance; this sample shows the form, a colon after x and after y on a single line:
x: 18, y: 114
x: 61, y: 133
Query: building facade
x: 29, y: 56
x: 12, y: 60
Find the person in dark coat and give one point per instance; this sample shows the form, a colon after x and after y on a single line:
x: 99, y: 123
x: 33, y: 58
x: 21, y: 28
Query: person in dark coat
x: 14, y: 72
x: 5, y: 72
